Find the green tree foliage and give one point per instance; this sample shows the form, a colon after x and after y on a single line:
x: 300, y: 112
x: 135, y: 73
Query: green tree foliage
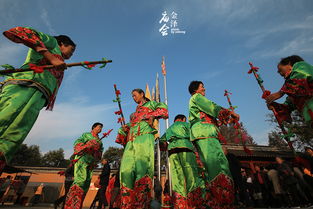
x: 31, y: 156
x: 275, y: 140
x: 303, y: 132
x: 113, y: 154
x: 54, y: 158
x: 27, y: 156
x: 229, y: 133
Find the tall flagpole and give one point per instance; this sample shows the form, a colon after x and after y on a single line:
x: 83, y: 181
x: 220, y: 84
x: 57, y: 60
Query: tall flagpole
x: 166, y: 124
x: 158, y: 99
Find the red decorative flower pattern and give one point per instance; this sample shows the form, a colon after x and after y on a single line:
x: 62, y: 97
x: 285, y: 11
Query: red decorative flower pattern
x: 144, y: 113
x: 119, y: 120
x: 265, y: 94
x: 139, y: 197
x: 92, y: 147
x: 25, y: 36
x: 106, y: 134
x: 121, y: 139
x: 207, y: 119
x: 118, y: 112
x: 88, y: 64
x: 194, y: 200
x: 299, y: 91
x: 74, y: 198
x: 220, y: 194
x: 224, y: 116
x: 252, y: 68
x: 167, y: 201
x: 297, y: 87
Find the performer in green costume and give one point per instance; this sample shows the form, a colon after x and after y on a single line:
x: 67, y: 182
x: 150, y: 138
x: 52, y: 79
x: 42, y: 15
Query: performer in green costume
x: 204, y: 116
x: 88, y: 150
x: 24, y: 94
x: 137, y: 164
x: 298, y: 86
x: 187, y: 184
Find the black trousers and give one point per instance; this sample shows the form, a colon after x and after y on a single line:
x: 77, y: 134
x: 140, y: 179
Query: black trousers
x: 62, y: 199
x: 100, y: 197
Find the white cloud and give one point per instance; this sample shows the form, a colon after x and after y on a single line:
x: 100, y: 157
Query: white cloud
x: 71, y: 118
x: 10, y: 53
x: 45, y: 18
x: 258, y: 36
x: 301, y: 44
x: 66, y: 122
x: 203, y: 12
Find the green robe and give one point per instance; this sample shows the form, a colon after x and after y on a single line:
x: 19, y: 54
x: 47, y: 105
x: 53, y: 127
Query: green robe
x: 24, y: 94
x: 186, y: 182
x: 299, y: 88
x: 203, y: 115
x: 88, y: 149
x: 137, y: 164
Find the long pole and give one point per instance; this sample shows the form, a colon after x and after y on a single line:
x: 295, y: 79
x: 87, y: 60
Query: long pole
x: 165, y: 100
x: 159, y: 157
x: 118, y: 100
x: 8, y: 71
x: 166, y: 125
x: 158, y: 99
x: 254, y: 69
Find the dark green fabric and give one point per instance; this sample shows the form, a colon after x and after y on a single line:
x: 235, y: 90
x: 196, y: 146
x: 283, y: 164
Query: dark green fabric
x: 184, y: 171
x: 178, y: 136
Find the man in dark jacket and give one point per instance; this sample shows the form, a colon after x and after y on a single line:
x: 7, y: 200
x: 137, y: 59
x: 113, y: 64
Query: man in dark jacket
x: 69, y: 178
x: 104, y: 182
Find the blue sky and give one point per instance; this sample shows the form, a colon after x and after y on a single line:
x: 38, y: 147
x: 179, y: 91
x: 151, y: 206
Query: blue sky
x: 221, y: 38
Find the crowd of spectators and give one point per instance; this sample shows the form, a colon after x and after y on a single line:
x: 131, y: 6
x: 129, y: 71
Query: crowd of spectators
x: 280, y: 184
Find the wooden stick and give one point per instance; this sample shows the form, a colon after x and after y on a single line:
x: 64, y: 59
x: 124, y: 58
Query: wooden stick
x: 4, y: 72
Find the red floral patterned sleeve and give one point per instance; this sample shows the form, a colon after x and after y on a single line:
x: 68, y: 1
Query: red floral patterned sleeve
x: 224, y: 116
x: 297, y: 87
x: 90, y: 147
x: 160, y: 110
x: 160, y: 113
x: 122, y: 137
x: 25, y: 36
